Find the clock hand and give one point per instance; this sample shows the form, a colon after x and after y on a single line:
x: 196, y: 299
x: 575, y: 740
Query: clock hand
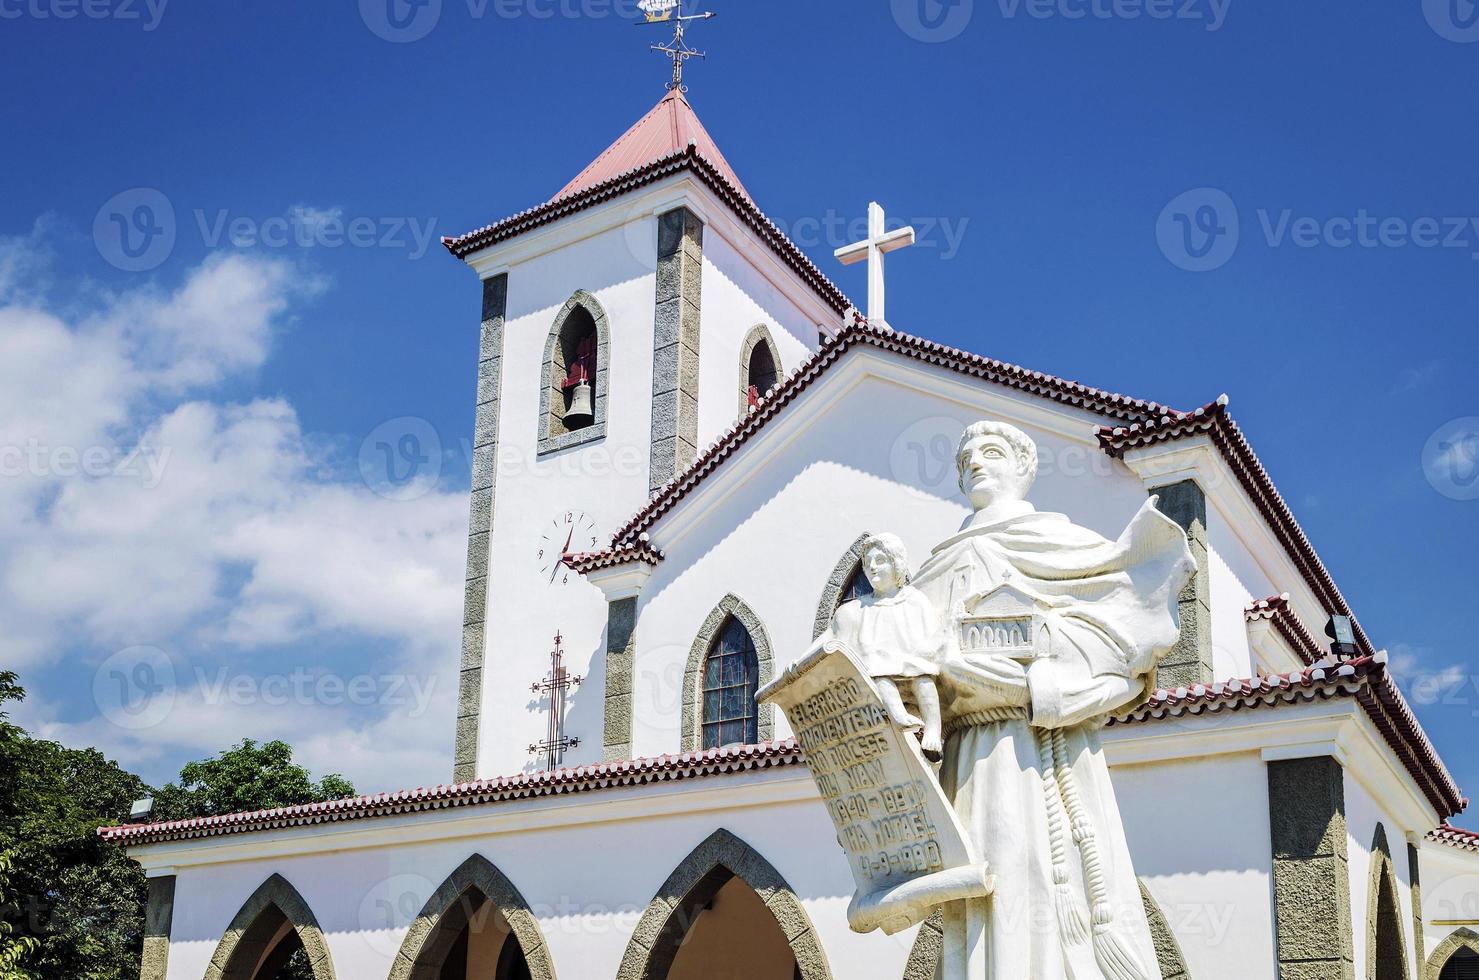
x: 568, y: 538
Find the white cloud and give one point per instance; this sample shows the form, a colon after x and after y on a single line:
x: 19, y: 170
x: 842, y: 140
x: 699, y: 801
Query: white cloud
x: 209, y: 530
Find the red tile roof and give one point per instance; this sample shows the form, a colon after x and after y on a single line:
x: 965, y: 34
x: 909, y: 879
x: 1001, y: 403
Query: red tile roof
x: 591, y: 561
x: 859, y: 334
x: 580, y: 779
x: 1276, y: 609
x: 669, y: 127
x: 678, y: 143
x: 1213, y: 421
x: 1446, y: 833
x: 1363, y: 678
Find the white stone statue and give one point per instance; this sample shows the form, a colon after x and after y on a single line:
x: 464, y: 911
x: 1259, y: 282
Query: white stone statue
x: 1019, y: 635
x: 896, y: 635
x: 1048, y: 629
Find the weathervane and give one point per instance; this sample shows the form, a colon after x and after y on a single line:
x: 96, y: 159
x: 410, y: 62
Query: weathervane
x: 559, y: 681
x: 664, y: 11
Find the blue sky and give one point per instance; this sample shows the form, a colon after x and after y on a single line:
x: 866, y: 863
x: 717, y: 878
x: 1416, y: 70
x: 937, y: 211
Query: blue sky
x: 1266, y: 199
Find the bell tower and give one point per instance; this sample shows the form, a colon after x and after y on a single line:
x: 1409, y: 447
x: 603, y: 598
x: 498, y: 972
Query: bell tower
x: 618, y: 335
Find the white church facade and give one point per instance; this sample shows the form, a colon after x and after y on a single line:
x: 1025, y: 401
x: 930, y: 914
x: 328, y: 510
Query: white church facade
x: 683, y: 433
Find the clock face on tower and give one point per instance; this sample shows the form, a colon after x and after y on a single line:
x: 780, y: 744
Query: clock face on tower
x: 568, y: 532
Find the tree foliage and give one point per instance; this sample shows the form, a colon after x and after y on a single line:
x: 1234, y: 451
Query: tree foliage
x: 245, y: 777
x: 73, y: 905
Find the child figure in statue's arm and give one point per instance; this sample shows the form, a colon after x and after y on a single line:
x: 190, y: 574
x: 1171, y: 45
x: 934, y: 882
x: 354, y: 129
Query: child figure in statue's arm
x: 896, y: 635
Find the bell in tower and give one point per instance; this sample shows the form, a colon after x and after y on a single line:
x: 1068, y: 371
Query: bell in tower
x: 581, y: 410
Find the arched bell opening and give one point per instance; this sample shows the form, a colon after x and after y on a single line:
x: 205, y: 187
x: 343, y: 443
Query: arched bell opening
x: 574, y: 372
x: 572, y: 403
x: 760, y: 368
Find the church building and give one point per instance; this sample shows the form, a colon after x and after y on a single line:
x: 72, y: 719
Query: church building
x: 684, y: 431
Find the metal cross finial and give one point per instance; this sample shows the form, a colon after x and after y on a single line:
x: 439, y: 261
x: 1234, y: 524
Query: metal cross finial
x: 559, y: 681
x: 662, y: 11
x: 873, y: 248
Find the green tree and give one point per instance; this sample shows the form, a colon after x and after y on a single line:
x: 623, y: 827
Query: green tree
x: 73, y: 906
x: 249, y: 777
x: 12, y: 948
x: 245, y: 777
x: 77, y: 902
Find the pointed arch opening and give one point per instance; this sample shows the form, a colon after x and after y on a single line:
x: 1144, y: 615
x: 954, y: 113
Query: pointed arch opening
x: 724, y: 913
x: 730, y: 659
x: 274, y: 936
x: 1456, y: 958
x: 847, y: 581
x: 1386, y: 940
x: 759, y: 367
x: 476, y: 926
x: 572, y: 406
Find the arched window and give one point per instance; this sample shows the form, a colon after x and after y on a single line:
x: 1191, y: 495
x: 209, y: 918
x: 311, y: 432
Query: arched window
x: 760, y: 368
x: 731, y: 676
x: 573, y: 403
x: 1462, y: 965
x: 857, y: 586
x: 847, y: 581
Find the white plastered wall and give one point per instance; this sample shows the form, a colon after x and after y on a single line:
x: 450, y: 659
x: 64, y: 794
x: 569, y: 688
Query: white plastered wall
x: 774, y: 519
x: 586, y: 882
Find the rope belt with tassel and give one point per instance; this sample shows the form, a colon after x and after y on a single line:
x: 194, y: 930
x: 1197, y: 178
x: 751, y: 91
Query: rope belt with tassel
x: 1060, y: 794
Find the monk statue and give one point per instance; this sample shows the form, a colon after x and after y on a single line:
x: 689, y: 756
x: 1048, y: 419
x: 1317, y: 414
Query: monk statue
x: 1049, y: 628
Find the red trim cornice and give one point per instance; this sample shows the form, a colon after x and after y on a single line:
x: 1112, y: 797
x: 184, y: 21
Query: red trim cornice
x: 1275, y: 609
x: 1364, y: 679
x: 1214, y: 422
x: 858, y: 334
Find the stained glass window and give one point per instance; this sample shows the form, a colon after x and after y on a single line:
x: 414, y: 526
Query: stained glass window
x: 731, y: 675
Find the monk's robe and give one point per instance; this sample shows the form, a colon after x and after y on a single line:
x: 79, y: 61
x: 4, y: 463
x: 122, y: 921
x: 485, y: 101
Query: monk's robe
x: 1025, y: 768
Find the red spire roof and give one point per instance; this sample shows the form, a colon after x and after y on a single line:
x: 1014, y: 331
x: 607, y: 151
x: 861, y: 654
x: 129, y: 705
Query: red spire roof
x: 667, y: 129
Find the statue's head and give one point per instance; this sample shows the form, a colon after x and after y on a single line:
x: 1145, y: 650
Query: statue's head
x: 885, y: 562
x: 997, y: 462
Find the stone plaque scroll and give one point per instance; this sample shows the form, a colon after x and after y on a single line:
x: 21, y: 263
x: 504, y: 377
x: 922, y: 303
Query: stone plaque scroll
x: 907, y: 850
